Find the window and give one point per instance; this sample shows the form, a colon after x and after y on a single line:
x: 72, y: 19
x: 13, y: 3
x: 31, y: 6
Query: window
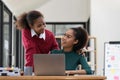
x: 59, y: 28
x: 5, y: 36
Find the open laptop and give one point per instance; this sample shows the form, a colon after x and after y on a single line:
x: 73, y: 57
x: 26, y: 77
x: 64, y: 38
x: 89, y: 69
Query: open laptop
x: 49, y: 64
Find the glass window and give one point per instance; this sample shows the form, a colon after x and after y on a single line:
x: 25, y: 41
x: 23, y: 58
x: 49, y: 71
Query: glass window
x: 6, y: 45
x: 50, y: 27
x: 5, y: 35
x: 61, y: 29
x: 7, y: 38
x: 6, y: 17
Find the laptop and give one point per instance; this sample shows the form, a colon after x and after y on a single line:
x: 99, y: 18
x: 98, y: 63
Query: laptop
x: 49, y: 64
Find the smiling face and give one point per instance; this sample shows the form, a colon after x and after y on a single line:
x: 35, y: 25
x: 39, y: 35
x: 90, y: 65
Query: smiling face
x: 68, y: 40
x: 39, y: 25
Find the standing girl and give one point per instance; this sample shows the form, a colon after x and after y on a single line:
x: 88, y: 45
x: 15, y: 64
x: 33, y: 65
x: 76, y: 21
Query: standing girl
x: 35, y: 38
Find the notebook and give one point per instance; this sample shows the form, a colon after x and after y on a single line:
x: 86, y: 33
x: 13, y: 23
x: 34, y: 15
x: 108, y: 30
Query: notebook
x: 49, y: 64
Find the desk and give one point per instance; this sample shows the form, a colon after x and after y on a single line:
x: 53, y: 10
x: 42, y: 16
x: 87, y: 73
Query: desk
x: 81, y: 77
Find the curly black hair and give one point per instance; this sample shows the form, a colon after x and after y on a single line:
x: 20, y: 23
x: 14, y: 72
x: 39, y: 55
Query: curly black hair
x: 28, y: 18
x: 82, y: 36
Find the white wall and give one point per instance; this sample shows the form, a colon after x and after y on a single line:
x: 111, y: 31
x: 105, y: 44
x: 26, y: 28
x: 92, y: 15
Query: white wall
x: 18, y: 7
x: 66, y: 10
x: 105, y: 25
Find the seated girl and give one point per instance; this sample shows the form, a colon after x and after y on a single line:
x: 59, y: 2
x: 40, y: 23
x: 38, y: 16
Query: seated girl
x: 74, y: 40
